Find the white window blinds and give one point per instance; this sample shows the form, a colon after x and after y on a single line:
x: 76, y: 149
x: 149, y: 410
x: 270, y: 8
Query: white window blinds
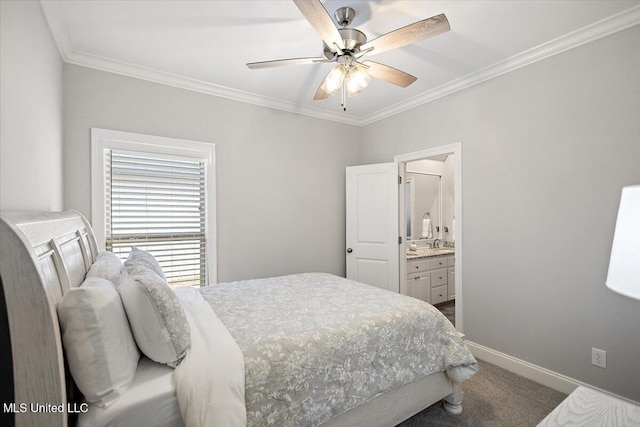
x: 157, y: 202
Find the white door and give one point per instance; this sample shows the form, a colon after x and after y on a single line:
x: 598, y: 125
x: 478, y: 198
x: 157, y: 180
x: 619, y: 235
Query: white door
x: 372, y: 225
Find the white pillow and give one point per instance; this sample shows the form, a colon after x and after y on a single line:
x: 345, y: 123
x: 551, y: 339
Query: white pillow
x: 107, y: 266
x: 139, y: 257
x: 98, y: 343
x: 156, y: 316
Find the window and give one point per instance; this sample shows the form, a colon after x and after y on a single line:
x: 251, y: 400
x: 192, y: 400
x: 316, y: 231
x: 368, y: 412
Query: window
x: 158, y: 194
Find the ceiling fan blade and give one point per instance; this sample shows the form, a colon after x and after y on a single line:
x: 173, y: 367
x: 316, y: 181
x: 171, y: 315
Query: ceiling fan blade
x: 389, y: 74
x: 321, y: 21
x: 284, y: 62
x: 412, y: 33
x: 321, y: 93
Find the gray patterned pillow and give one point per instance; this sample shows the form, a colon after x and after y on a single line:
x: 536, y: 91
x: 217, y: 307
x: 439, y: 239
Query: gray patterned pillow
x: 139, y: 257
x: 156, y: 316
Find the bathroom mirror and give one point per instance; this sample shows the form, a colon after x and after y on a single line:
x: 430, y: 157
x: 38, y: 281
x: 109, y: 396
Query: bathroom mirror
x: 423, y: 198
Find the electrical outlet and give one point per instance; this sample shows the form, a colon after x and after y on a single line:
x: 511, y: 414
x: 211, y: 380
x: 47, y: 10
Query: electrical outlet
x: 599, y: 357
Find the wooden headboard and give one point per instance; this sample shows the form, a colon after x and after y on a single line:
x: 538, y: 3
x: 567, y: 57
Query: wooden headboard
x: 42, y: 256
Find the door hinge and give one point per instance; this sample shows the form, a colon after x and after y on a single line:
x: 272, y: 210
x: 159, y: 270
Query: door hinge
x: 399, y: 179
x: 399, y: 240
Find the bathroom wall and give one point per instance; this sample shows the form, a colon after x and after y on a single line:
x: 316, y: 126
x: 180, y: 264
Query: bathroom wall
x: 426, y: 166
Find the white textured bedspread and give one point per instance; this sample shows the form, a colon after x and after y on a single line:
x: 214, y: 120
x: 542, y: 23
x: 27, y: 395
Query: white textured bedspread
x: 316, y: 345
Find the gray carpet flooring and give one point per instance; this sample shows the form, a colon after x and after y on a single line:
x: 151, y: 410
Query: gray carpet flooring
x: 449, y: 310
x: 494, y: 397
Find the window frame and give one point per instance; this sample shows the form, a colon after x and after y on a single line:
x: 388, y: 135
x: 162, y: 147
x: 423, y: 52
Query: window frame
x: 103, y: 139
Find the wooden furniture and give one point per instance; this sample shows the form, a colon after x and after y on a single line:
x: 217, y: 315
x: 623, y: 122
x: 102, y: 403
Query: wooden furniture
x: 586, y: 407
x: 431, y: 279
x: 43, y: 255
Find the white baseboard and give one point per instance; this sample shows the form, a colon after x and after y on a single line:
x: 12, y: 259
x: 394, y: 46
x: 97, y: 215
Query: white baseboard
x: 533, y: 372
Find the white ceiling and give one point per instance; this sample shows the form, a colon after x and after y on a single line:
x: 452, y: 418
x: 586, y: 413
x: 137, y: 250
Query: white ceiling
x: 204, y: 45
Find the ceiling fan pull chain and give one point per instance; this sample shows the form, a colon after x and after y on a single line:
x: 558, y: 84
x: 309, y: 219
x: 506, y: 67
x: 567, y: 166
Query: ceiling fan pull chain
x: 344, y: 97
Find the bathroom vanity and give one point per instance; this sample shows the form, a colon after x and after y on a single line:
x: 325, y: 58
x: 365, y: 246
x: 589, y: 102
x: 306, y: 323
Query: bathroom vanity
x: 431, y: 275
x: 428, y: 219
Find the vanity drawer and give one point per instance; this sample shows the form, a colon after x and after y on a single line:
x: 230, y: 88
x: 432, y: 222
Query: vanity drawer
x: 451, y: 261
x: 418, y: 265
x: 438, y: 263
x: 417, y: 276
x: 439, y: 294
x: 419, y: 286
x: 439, y: 277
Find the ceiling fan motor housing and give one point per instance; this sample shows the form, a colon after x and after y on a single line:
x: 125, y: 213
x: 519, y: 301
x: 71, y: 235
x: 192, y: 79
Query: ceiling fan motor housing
x: 352, y: 38
x: 344, y: 16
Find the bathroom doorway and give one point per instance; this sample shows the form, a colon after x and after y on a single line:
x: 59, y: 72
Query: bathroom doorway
x: 431, y: 223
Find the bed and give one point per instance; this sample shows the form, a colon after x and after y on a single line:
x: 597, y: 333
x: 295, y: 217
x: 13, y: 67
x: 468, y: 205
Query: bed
x: 44, y: 255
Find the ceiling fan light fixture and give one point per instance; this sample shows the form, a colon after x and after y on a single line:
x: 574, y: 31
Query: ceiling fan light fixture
x: 357, y: 80
x: 345, y: 46
x: 335, y: 79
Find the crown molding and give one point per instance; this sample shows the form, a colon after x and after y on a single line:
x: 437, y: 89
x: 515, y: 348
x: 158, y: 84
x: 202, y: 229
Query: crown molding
x: 592, y: 32
x: 55, y: 18
x: 112, y: 66
x: 595, y: 31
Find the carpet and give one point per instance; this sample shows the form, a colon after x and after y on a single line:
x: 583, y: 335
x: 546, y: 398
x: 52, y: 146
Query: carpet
x: 449, y: 310
x: 494, y: 397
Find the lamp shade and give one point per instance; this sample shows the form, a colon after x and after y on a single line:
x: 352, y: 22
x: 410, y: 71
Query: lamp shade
x: 357, y: 80
x: 334, y: 79
x: 624, y: 266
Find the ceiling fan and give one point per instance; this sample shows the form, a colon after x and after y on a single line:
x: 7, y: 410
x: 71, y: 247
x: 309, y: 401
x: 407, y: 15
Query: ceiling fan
x: 346, y: 46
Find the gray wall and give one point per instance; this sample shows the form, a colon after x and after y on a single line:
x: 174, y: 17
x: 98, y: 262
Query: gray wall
x: 546, y: 150
x: 30, y: 134
x: 30, y: 110
x: 280, y: 176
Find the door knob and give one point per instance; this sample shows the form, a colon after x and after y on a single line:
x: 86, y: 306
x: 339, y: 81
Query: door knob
x: 349, y: 250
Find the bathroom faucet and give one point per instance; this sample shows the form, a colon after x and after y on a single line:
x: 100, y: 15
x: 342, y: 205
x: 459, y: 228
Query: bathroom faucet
x: 436, y: 243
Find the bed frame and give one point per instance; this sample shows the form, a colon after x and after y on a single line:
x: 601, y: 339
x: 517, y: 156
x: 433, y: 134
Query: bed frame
x: 44, y: 254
